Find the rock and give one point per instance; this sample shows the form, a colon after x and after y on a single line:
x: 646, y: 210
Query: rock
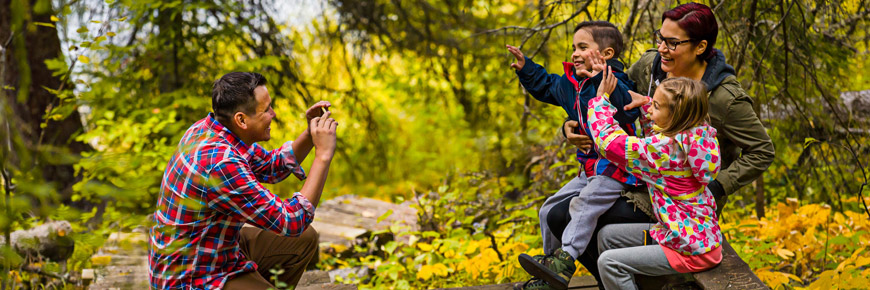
x: 347, y: 274
x: 50, y: 240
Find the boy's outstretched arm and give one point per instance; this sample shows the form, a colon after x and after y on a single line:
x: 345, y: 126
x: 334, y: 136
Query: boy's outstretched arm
x: 547, y: 88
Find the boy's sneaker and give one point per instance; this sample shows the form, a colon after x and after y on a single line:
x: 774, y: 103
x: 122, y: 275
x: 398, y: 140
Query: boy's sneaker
x: 555, y: 269
x: 535, y: 284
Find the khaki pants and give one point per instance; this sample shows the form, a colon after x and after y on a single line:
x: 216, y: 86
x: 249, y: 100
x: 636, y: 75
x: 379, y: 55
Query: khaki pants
x: 269, y: 250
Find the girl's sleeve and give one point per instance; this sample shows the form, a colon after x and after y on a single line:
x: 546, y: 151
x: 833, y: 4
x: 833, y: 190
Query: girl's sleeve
x: 702, y: 153
x: 640, y: 157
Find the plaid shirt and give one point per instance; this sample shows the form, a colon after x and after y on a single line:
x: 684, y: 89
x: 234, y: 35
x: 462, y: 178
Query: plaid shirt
x: 211, y: 188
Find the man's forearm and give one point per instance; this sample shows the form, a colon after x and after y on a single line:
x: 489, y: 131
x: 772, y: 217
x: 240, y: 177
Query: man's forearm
x: 313, y: 187
x: 302, y: 146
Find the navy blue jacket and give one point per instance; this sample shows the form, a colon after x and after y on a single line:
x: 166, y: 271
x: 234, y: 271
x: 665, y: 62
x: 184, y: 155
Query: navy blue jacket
x: 573, y: 94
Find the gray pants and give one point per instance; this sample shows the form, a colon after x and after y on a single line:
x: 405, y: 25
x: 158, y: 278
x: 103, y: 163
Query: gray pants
x: 569, y: 191
x: 623, y: 254
x: 594, y: 200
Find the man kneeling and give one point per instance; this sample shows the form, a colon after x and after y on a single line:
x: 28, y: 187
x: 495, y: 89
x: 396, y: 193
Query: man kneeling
x: 211, y: 188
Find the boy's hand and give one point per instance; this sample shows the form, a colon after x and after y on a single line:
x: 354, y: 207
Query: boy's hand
x: 598, y: 64
x: 580, y: 140
x: 521, y: 60
x: 608, y: 83
x: 637, y: 100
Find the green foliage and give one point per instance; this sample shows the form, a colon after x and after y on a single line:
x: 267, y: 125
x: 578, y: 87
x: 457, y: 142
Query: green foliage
x: 429, y: 110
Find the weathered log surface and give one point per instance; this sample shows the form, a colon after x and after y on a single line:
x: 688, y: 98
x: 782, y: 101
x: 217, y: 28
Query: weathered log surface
x: 732, y: 273
x: 344, y: 218
x: 577, y: 282
x: 339, y: 221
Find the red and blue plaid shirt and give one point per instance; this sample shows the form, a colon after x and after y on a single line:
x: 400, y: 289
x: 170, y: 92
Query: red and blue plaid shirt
x: 211, y: 188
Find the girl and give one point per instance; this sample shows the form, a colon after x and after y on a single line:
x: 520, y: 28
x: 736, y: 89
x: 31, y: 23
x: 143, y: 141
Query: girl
x: 678, y: 159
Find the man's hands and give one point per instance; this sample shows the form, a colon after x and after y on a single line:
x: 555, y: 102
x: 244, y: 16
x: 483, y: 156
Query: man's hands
x: 580, y: 140
x: 323, y: 132
x: 521, y: 60
x: 316, y: 111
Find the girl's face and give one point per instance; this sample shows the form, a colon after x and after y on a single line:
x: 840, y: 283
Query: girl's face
x: 678, y: 61
x: 659, y: 111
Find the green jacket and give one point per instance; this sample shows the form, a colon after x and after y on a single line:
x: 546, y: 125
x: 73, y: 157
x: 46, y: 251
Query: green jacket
x: 744, y: 144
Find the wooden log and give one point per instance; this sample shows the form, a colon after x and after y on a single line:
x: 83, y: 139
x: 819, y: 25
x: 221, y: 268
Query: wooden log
x: 732, y: 273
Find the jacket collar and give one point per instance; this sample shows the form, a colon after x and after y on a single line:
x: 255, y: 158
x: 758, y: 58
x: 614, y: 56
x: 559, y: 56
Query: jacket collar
x: 616, y: 65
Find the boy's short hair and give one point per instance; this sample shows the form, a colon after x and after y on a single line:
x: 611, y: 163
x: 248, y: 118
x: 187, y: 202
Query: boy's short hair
x: 605, y: 34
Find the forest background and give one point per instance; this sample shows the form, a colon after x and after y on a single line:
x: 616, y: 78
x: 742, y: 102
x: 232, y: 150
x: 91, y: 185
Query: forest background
x: 96, y: 94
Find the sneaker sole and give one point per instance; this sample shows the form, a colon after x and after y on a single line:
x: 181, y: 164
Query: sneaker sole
x: 540, y: 271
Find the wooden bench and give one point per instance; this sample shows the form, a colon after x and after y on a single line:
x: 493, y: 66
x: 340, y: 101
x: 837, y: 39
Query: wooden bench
x: 732, y: 273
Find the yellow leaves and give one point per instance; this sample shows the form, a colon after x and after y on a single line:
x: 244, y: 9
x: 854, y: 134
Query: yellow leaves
x: 773, y: 279
x: 101, y: 260
x: 84, y: 59
x: 481, y: 264
x: 794, y: 240
x: 54, y: 19
x: 424, y: 247
x: 427, y: 271
x: 784, y: 254
x: 788, y: 208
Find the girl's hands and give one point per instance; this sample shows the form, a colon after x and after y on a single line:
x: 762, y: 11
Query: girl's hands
x: 598, y: 62
x: 608, y: 83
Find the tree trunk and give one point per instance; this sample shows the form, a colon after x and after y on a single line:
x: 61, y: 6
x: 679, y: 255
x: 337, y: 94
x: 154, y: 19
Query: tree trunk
x: 27, y: 74
x: 759, y: 197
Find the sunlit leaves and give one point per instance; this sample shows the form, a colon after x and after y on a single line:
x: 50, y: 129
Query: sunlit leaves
x: 795, y: 243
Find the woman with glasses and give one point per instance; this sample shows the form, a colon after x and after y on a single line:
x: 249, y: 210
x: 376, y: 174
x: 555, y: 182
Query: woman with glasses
x: 685, y: 48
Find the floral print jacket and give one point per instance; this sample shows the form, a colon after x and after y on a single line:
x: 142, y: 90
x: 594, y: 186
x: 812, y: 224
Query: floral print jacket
x: 677, y: 170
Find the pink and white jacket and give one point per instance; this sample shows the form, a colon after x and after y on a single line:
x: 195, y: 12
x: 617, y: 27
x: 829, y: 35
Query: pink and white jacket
x: 676, y: 169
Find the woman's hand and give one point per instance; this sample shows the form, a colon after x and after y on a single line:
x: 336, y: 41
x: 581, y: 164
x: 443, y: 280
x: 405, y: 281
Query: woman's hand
x: 580, y: 140
x: 637, y: 100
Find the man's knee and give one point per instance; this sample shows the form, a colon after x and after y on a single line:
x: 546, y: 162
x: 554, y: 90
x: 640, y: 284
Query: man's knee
x: 310, y: 237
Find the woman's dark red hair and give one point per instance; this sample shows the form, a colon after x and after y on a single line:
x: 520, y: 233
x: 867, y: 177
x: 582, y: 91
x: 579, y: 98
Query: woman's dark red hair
x: 698, y: 22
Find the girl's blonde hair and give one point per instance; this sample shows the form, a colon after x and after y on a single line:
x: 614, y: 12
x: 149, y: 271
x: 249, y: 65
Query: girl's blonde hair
x: 687, y: 101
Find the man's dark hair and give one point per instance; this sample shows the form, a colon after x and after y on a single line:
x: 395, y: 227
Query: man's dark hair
x: 234, y: 92
x: 605, y: 34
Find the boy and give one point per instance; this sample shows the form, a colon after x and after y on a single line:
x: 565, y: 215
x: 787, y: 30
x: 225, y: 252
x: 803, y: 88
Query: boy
x: 597, y: 44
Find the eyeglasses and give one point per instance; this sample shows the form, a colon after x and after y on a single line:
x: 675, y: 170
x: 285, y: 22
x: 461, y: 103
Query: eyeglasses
x: 670, y: 43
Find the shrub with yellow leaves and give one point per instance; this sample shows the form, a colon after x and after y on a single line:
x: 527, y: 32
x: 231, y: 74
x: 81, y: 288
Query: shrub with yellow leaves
x: 804, y: 246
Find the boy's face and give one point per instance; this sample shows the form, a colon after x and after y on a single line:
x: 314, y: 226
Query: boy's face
x: 584, y: 44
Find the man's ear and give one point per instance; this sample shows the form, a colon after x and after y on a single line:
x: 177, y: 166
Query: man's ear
x: 702, y: 46
x: 240, y: 120
x: 608, y: 53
